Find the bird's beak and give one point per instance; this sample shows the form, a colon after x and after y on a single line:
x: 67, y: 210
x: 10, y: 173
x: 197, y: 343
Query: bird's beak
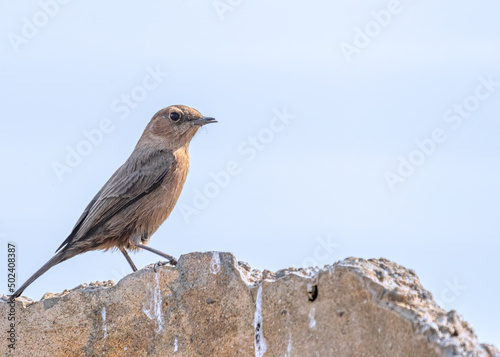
x: 204, y: 120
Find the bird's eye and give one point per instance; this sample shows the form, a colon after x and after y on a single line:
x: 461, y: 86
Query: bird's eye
x: 175, y: 116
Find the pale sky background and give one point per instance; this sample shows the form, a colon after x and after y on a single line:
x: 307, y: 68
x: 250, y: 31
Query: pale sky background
x: 319, y: 179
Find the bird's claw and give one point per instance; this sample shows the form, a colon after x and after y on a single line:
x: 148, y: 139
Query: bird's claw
x: 157, y: 264
x: 160, y: 263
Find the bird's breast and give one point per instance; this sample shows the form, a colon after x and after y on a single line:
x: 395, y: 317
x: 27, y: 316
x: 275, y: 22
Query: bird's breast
x: 156, y: 209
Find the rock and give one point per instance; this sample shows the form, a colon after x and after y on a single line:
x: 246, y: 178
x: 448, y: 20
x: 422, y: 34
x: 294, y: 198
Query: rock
x: 211, y: 305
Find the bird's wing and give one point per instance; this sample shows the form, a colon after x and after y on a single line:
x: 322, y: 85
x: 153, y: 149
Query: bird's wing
x: 140, y: 175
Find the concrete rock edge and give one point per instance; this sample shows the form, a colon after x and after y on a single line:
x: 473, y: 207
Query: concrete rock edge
x: 391, y: 286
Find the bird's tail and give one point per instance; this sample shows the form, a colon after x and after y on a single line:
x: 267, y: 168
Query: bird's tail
x: 56, y: 259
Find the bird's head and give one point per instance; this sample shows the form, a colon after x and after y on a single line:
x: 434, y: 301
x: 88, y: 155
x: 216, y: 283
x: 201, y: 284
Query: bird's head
x: 175, y: 125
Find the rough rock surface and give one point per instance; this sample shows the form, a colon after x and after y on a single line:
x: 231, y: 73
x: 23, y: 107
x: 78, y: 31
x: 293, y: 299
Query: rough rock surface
x: 211, y: 305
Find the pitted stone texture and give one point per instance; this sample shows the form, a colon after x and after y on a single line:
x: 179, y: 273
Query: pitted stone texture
x: 210, y: 305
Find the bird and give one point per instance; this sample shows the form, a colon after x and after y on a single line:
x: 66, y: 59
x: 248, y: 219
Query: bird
x: 139, y: 196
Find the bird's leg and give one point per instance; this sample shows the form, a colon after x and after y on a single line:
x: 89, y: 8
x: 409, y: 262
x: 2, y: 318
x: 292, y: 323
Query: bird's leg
x: 129, y: 260
x: 169, y: 257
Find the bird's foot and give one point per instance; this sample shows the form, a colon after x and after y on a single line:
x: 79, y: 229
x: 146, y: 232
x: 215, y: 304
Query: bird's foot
x: 158, y: 264
x: 170, y: 258
x: 162, y: 264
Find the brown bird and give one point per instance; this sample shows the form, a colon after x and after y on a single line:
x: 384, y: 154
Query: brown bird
x: 139, y: 196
